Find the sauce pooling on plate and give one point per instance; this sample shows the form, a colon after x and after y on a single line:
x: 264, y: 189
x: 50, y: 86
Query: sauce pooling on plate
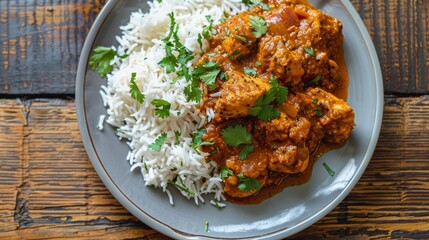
x: 278, y: 96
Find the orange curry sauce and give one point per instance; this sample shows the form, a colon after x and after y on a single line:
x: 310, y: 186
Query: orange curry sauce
x: 302, y: 49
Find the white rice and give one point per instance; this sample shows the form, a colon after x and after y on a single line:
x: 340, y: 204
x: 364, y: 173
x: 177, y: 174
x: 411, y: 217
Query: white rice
x: 142, y: 40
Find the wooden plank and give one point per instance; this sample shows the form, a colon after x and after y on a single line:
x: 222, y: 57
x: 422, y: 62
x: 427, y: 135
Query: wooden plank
x: 41, y: 42
x: 49, y: 189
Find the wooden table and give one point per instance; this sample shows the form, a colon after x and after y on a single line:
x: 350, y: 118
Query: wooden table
x: 48, y: 188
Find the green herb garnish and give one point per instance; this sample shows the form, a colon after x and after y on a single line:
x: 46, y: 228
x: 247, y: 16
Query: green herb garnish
x: 101, y: 58
x: 258, y: 25
x: 328, y: 169
x: 156, y: 145
x: 134, y: 89
x: 162, y: 109
x: 247, y: 184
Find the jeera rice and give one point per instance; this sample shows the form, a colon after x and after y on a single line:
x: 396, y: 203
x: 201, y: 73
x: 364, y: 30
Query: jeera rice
x: 161, y: 146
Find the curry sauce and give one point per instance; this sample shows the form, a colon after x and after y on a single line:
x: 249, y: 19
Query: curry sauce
x: 283, y: 82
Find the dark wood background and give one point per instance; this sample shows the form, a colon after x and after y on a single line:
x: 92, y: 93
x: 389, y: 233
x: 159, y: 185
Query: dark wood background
x: 48, y: 188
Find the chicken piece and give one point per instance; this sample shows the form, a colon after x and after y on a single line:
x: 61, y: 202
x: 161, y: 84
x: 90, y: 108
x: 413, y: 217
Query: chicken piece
x: 238, y: 95
x: 275, y: 56
x: 252, y: 166
x: 285, y: 128
x: 289, y: 158
x: 235, y: 36
x: 335, y: 115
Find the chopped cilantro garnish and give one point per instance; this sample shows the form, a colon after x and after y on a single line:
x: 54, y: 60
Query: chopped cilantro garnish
x: 156, y: 145
x: 316, y: 79
x: 134, y: 89
x: 227, y: 31
x: 245, y: 151
x: 258, y: 64
x: 236, y: 135
x: 265, y: 112
x: 234, y: 54
x: 225, y: 172
x: 162, y: 109
x: 206, y: 226
x: 315, y: 101
x: 258, y: 25
x: 207, y: 73
x: 281, y: 93
x: 318, y: 112
x: 170, y: 62
x: 193, y: 92
x: 250, y: 71
x: 177, y: 135
x: 263, y: 108
x: 310, y: 51
x: 207, y: 29
x: 101, y: 58
x: 197, y: 140
x: 247, y: 184
x: 330, y: 171
x: 181, y: 187
x: 243, y: 39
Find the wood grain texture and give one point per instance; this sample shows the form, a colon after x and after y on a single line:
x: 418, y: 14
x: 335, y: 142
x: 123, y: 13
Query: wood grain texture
x: 41, y: 42
x: 49, y: 189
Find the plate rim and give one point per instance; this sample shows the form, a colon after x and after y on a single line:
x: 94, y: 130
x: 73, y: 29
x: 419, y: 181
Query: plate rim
x: 132, y: 207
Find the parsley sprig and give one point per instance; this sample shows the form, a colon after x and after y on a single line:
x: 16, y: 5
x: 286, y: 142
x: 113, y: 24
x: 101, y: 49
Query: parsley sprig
x: 206, y: 33
x: 134, y: 89
x: 162, y: 108
x: 264, y: 108
x: 258, y: 25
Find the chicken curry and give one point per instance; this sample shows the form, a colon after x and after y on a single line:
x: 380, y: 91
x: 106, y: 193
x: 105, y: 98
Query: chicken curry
x: 279, y: 100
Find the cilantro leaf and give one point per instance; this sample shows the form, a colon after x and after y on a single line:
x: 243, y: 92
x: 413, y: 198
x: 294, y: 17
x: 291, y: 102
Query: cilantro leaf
x: 177, y: 135
x: 247, y: 184
x: 236, y: 135
x: 310, y: 51
x: 181, y: 55
x: 156, y: 145
x: 245, y: 151
x: 101, y: 58
x: 258, y: 25
x: 225, y: 172
x: 162, y: 109
x: 281, y: 93
x: 316, y: 79
x: 181, y: 187
x: 134, y: 89
x: 249, y: 71
x: 207, y: 29
x: 265, y: 112
x: 263, y: 108
x: 329, y: 169
x: 193, y: 92
x: 197, y: 140
x: 207, y: 73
